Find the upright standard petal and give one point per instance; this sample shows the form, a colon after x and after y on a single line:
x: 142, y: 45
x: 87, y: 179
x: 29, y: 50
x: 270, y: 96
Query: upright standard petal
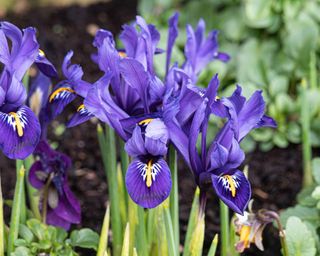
x: 148, y: 181
x: 195, y: 161
x: 172, y: 35
x: 135, y: 75
x: 20, y: 133
x: 234, y: 190
x: 135, y: 145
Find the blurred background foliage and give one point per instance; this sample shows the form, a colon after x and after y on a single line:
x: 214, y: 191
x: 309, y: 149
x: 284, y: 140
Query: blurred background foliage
x: 274, y: 45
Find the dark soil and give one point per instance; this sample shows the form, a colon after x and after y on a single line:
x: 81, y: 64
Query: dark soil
x: 275, y: 176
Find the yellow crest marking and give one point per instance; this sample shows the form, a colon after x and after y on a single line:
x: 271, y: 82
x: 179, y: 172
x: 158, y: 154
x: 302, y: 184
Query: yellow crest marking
x: 80, y: 107
x: 122, y: 54
x: 145, y: 121
x: 41, y: 53
x: 149, y: 176
x: 56, y: 92
x: 18, y: 123
x: 231, y: 184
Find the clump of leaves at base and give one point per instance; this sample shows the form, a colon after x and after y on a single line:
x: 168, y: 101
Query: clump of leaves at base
x: 305, y: 226
x: 35, y: 238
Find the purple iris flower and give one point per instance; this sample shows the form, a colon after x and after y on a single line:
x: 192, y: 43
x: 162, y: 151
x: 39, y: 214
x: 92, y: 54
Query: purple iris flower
x: 200, y: 51
x: 67, y: 90
x: 140, y: 106
x: 148, y: 178
x: 218, y: 166
x: 20, y: 129
x: 49, y: 175
x: 132, y: 99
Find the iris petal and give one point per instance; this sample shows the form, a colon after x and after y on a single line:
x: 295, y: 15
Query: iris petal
x: 233, y: 189
x: 82, y: 115
x: 20, y: 133
x: 34, y: 176
x: 45, y: 66
x: 60, y: 98
x: 148, y: 183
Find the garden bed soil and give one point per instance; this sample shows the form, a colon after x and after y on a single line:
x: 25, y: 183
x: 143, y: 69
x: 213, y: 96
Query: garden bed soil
x: 275, y: 176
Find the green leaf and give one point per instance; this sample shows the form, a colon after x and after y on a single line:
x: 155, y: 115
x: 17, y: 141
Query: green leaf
x: 299, y: 42
x: 21, y: 251
x: 20, y: 242
x: 316, y: 193
x: 84, y: 238
x: 126, y: 240
x: 192, y: 221
x: 313, y: 96
x: 249, y: 66
x: 25, y: 233
x: 294, y: 132
x: 262, y: 134
x: 304, y: 213
x: 196, y: 242
x: 304, y: 198
x: 37, y: 228
x: 61, y: 235
x: 280, y: 140
x: 259, y: 13
x: 316, y: 169
x: 278, y: 84
x: 213, y: 246
x: 299, y: 238
x: 233, y: 25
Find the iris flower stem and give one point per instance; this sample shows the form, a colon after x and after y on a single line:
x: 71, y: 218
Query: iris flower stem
x: 124, y: 166
x: 16, y: 209
x: 31, y: 191
x: 141, y: 233
x: 306, y: 144
x: 131, y: 206
x: 45, y: 199
x: 1, y: 223
x: 174, y: 196
x: 23, y: 208
x: 108, y: 152
x: 313, y: 71
x: 170, y: 233
x: 224, y: 226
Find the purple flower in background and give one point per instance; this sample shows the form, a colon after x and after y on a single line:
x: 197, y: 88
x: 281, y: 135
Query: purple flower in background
x: 49, y: 175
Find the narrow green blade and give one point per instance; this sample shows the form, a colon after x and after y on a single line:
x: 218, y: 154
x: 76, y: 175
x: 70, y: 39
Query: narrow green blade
x: 16, y: 209
x: 103, y: 242
x: 213, y: 246
x: 192, y: 221
x: 126, y: 241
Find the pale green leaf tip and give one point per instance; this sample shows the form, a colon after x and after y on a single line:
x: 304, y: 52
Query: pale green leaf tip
x: 22, y: 171
x: 99, y: 128
x: 215, y: 239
